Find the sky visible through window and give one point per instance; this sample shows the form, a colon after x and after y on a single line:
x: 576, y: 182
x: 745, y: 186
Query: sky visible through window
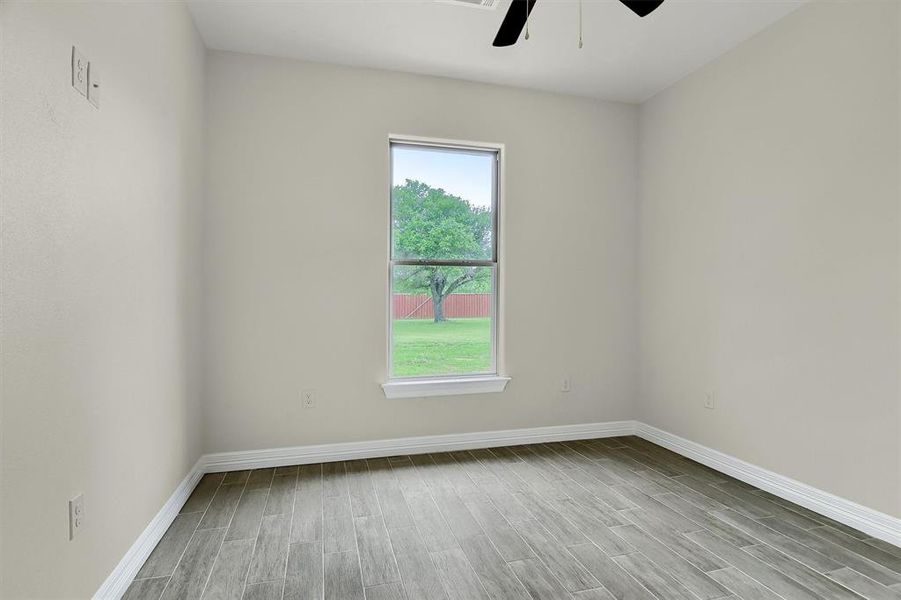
x: 459, y: 174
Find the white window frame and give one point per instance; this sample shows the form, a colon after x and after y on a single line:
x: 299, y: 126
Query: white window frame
x: 446, y: 385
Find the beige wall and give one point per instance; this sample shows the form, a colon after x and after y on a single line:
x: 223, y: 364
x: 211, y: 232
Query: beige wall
x: 100, y: 211
x: 296, y: 251
x: 769, y: 254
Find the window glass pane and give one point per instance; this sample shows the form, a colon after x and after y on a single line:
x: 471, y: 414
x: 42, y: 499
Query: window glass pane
x: 442, y: 320
x: 442, y: 203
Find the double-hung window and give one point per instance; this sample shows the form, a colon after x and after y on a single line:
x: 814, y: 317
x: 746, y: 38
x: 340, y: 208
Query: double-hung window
x: 443, y: 268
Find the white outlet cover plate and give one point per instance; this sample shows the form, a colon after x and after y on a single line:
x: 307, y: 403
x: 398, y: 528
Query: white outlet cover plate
x: 79, y: 72
x: 76, y: 515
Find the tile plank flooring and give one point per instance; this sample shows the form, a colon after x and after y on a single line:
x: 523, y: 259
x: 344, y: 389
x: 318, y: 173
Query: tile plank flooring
x: 613, y: 518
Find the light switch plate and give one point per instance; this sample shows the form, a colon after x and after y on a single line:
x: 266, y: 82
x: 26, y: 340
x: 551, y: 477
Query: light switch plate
x: 79, y: 72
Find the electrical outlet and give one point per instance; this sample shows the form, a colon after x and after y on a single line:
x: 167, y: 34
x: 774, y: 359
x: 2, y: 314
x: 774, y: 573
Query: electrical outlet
x: 710, y: 400
x: 79, y: 72
x: 76, y: 515
x: 308, y: 398
x: 566, y: 385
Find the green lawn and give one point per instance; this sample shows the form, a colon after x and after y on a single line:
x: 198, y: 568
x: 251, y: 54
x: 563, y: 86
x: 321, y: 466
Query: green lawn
x: 423, y: 347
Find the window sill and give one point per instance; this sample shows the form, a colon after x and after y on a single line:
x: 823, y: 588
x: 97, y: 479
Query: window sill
x: 420, y: 388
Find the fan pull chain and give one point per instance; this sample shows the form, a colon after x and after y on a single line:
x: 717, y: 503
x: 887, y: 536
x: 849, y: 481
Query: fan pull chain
x: 580, y: 24
x: 527, y: 18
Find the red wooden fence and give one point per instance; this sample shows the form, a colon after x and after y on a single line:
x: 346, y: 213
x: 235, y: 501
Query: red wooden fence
x: 456, y: 306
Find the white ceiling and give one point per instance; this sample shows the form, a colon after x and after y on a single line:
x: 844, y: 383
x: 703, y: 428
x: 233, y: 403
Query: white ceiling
x: 623, y: 58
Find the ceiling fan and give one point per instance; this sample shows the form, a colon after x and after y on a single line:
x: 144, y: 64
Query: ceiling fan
x: 518, y: 15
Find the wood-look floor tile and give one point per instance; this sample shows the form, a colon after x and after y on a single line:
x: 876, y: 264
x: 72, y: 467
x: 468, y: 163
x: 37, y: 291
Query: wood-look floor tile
x: 595, y: 594
x: 662, y: 512
x: 168, y: 551
x: 342, y: 577
x: 731, y: 534
x: 841, y: 554
x: 751, y: 510
x: 772, y: 578
x: 505, y: 538
x: 193, y: 570
x: 267, y: 590
x: 306, y: 524
x: 456, y: 574
x: 815, y: 582
x: 376, y: 556
x: 603, y: 491
x: 620, y: 584
x: 271, y: 551
x: 863, y: 585
x: 146, y: 589
x: 259, y: 479
x: 393, y: 505
x: 594, y: 530
x: 765, y: 506
x: 742, y: 585
x: 223, y: 506
x: 564, y: 530
x: 558, y: 559
x: 664, y: 467
x: 884, y: 546
x: 281, y: 495
x: 459, y: 474
x: 386, y: 591
x: 200, y: 498
x: 703, y: 559
x: 654, y: 578
x: 886, y: 559
x: 414, y: 564
x: 235, y: 477
x: 674, y: 564
x: 230, y: 570
x: 337, y: 525
x: 245, y: 523
x: 537, y: 580
x: 334, y: 480
x: 457, y: 516
x: 509, y: 507
x: 786, y: 545
x: 303, y: 579
x: 435, y: 532
x: 408, y: 478
x: 495, y: 574
x: 363, y: 500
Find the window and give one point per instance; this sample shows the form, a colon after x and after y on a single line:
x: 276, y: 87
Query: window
x: 443, y: 266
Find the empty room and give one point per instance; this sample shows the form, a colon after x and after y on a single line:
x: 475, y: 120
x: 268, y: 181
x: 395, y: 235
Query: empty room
x: 450, y: 299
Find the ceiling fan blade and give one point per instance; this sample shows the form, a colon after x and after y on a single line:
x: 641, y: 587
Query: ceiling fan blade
x: 513, y: 23
x: 642, y: 8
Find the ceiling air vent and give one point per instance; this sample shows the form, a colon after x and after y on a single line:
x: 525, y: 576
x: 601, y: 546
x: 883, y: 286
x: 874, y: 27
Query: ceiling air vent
x: 488, y: 4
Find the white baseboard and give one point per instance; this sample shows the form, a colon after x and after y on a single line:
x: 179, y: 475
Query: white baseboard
x: 121, y: 577
x: 877, y: 524
x: 872, y: 522
x: 300, y: 455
